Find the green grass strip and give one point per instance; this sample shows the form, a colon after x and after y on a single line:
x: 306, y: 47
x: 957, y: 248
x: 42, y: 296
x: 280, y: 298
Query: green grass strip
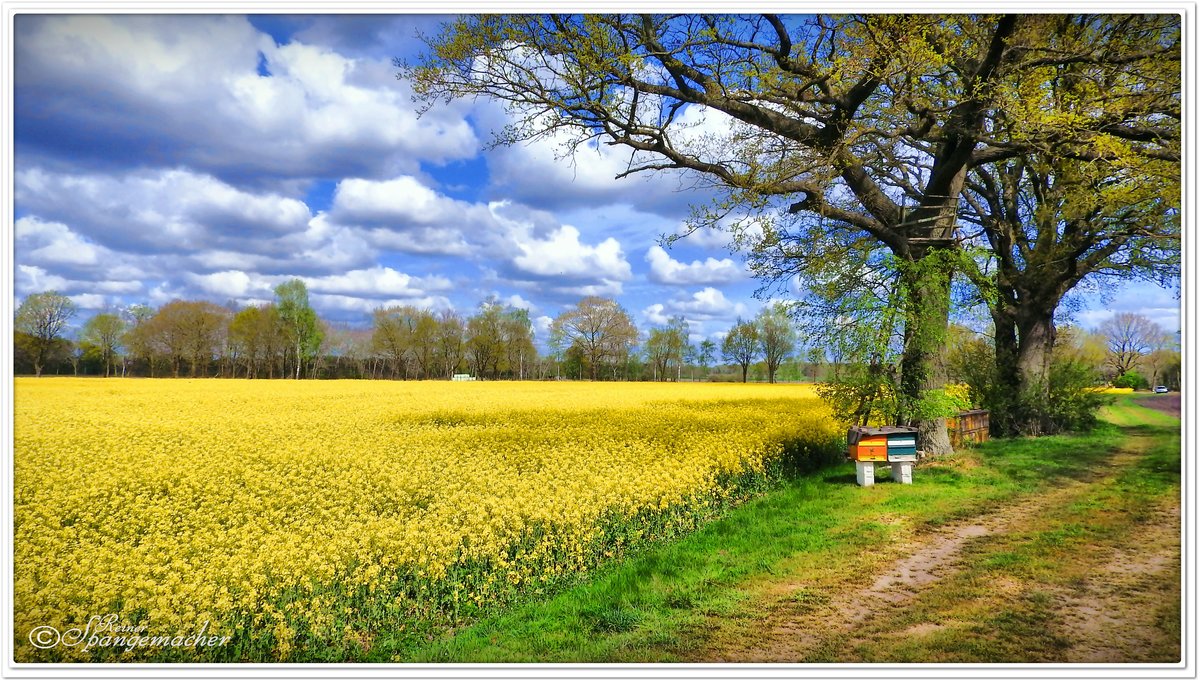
x: 654, y: 606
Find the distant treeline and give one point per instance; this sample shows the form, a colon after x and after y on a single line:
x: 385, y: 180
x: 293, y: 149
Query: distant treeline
x: 595, y: 339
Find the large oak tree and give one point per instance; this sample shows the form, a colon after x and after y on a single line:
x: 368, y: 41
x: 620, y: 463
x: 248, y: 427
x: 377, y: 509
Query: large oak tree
x: 1063, y: 210
x: 866, y: 126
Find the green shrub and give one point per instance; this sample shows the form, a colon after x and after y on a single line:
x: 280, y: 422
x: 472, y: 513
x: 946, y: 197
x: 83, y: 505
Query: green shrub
x: 1131, y: 379
x: 1070, y: 404
x: 725, y: 377
x: 1073, y: 403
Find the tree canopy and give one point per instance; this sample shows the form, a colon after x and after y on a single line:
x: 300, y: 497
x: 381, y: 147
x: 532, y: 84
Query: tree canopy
x: 821, y: 136
x: 105, y: 331
x: 599, y: 327
x: 299, y: 321
x: 740, y: 346
x: 41, y: 317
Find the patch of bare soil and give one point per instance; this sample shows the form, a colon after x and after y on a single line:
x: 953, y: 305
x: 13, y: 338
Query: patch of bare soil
x: 1167, y: 403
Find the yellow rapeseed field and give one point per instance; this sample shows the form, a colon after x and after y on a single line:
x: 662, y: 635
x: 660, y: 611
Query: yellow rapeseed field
x: 289, y: 515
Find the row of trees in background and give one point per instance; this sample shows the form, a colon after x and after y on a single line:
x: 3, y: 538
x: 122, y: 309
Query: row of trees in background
x: 284, y: 337
x: 411, y: 343
x: 595, y: 339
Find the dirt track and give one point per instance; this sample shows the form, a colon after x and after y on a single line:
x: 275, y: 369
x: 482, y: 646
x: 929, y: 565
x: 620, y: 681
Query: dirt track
x: 1108, y: 617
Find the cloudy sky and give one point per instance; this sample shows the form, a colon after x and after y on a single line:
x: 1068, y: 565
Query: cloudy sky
x: 162, y: 157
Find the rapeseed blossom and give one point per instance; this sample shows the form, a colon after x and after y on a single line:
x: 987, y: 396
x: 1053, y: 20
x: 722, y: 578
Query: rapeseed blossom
x: 291, y: 514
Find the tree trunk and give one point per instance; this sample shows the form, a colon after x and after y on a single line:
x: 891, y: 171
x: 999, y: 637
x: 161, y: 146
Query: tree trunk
x: 745, y: 371
x: 1006, y: 348
x: 1024, y: 349
x: 1005, y: 418
x: 927, y: 290
x: 1035, y: 345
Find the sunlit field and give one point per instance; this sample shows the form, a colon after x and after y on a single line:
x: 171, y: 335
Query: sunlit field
x: 304, y: 519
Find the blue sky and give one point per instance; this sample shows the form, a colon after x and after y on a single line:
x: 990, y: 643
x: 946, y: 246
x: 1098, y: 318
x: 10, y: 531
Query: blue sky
x: 162, y: 157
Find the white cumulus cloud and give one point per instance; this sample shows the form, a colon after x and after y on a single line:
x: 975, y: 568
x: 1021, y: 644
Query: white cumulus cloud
x: 32, y: 279
x: 377, y: 282
x: 540, y: 251
x: 39, y: 241
x: 562, y: 254
x: 702, y: 309
x: 157, y: 211
x: 361, y: 305
x: 90, y: 301
x: 667, y: 270
x: 234, y: 284
x: 402, y: 214
x: 708, y: 302
x: 656, y: 314
x: 214, y: 93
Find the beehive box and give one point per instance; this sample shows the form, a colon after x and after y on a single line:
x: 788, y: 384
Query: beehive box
x: 902, y: 447
x: 881, y: 444
x: 874, y: 449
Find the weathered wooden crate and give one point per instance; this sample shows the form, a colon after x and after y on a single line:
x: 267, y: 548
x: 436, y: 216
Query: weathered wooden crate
x: 968, y: 427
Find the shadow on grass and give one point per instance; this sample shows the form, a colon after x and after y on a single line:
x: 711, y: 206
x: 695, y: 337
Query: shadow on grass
x: 1036, y: 460
x: 839, y: 477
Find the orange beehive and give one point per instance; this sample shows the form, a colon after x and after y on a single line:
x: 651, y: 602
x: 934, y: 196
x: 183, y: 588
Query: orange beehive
x: 869, y: 449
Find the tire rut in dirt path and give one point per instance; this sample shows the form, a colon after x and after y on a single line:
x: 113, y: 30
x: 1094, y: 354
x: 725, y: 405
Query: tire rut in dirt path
x: 924, y: 561
x: 790, y: 633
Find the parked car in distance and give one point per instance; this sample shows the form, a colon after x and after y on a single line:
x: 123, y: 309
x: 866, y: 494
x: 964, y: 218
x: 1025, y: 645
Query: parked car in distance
x: 1160, y: 389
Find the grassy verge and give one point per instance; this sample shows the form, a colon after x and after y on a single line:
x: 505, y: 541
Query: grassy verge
x: 802, y: 543
x: 1093, y: 575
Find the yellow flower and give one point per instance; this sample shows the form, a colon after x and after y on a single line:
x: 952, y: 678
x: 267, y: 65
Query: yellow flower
x: 171, y: 501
